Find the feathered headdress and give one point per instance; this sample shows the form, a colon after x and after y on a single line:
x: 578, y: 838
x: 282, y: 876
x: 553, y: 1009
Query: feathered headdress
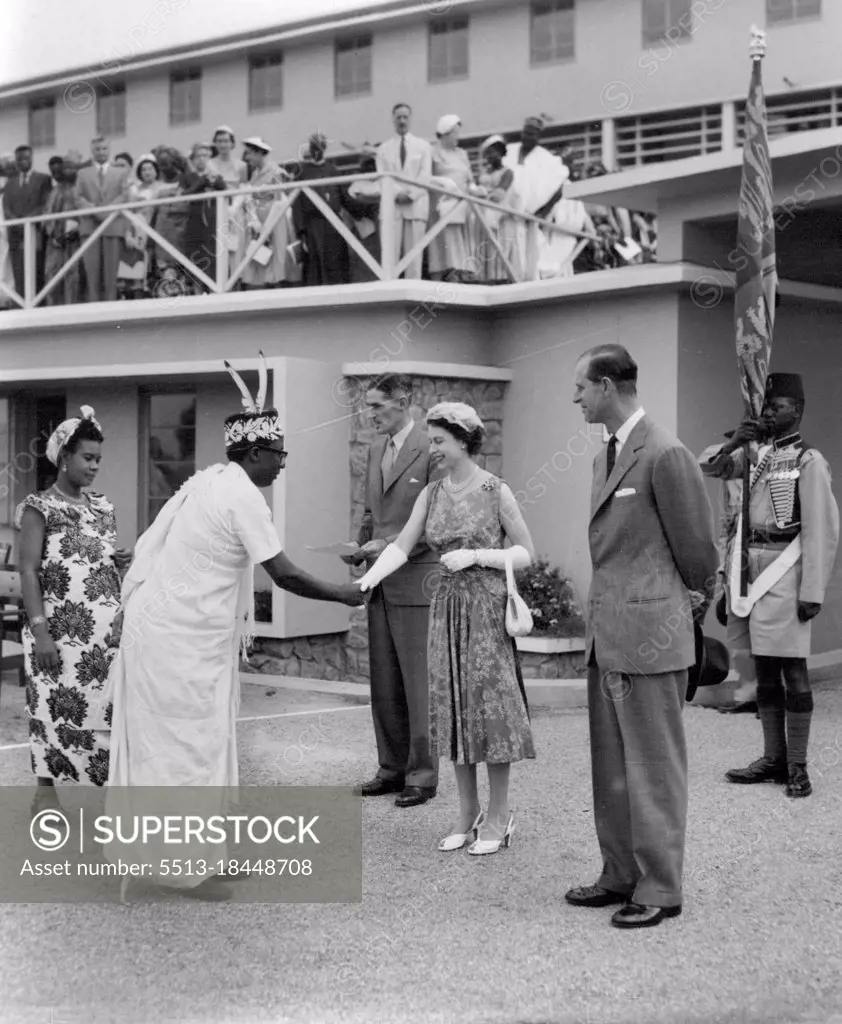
x: 255, y: 425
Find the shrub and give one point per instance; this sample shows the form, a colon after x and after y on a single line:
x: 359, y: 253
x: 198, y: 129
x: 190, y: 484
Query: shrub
x: 551, y: 599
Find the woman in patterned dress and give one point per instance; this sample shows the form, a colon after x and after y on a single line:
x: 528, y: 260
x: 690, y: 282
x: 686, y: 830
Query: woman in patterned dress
x: 70, y: 576
x: 478, y: 709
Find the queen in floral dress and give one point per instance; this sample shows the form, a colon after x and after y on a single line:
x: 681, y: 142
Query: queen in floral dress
x: 478, y: 708
x: 70, y: 576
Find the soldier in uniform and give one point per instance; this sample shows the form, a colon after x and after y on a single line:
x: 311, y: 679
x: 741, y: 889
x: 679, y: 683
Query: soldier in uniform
x: 793, y: 535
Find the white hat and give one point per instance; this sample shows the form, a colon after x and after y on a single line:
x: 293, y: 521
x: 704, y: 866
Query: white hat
x: 255, y: 142
x: 491, y: 140
x: 223, y: 128
x: 446, y: 124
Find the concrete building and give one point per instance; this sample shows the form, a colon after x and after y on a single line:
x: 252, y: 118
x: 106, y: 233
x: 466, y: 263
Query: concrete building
x: 627, y: 81
x: 153, y: 370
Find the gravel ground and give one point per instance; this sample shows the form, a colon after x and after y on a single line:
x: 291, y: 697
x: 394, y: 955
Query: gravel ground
x: 442, y: 939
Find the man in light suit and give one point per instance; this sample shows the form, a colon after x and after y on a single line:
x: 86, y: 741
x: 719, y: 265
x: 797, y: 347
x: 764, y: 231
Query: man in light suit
x: 398, y: 613
x: 652, y: 546
x: 25, y: 195
x: 406, y: 154
x: 101, y: 184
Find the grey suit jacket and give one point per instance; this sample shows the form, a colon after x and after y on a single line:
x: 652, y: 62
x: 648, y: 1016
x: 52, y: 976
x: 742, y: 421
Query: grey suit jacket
x: 388, y: 506
x: 652, y: 540
x: 92, y: 194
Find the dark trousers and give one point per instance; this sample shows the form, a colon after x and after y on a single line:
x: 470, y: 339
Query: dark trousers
x: 639, y: 768
x: 400, y: 691
x: 327, y: 254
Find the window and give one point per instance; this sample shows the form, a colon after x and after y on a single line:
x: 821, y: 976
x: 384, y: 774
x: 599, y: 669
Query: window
x: 352, y: 66
x: 186, y: 96
x: 168, y: 432
x: 42, y: 123
x: 662, y: 16
x: 266, y: 82
x: 448, y: 49
x: 552, y: 32
x: 778, y: 11
x: 111, y: 110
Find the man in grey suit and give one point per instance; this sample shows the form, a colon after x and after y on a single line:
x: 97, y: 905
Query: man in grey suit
x: 654, y: 561
x: 398, y: 613
x: 101, y: 184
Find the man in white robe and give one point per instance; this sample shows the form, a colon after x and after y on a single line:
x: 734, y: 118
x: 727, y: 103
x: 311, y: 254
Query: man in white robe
x: 539, y: 179
x: 188, y: 603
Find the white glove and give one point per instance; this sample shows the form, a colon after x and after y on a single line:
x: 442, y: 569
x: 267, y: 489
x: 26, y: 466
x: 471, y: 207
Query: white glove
x: 495, y: 558
x: 455, y: 561
x: 391, y: 559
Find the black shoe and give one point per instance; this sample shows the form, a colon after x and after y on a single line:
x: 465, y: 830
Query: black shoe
x: 412, y: 796
x: 798, y: 783
x: 747, y: 707
x: 379, y: 787
x: 594, y: 896
x: 635, y: 915
x: 764, y: 769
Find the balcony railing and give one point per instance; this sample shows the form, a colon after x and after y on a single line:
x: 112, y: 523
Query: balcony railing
x: 510, y: 237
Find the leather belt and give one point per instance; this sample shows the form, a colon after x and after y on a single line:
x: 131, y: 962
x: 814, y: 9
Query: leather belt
x: 759, y: 538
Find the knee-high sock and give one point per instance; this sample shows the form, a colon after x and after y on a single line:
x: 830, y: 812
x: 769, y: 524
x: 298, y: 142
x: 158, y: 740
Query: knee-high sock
x: 771, y: 705
x: 799, y: 709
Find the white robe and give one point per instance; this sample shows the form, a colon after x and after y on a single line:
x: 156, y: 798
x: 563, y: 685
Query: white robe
x: 537, y: 179
x: 175, y: 683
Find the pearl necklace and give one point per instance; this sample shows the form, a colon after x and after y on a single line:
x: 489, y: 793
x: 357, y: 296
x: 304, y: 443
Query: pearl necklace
x: 456, y: 488
x: 82, y: 500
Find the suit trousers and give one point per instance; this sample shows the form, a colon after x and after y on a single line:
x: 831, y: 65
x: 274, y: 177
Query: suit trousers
x: 408, y: 233
x: 101, y: 262
x: 639, y: 768
x: 400, y: 691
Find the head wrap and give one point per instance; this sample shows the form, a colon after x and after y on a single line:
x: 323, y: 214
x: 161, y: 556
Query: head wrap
x: 255, y: 142
x: 255, y: 426
x: 457, y: 413
x: 446, y: 124
x: 491, y: 141
x: 785, y: 385
x: 64, y: 431
x: 536, y: 122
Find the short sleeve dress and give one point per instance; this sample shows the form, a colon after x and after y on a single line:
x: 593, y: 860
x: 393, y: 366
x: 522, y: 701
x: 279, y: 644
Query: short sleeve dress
x: 478, y: 707
x: 69, y: 723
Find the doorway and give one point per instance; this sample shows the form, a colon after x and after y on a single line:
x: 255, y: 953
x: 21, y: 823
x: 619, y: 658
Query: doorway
x: 50, y: 411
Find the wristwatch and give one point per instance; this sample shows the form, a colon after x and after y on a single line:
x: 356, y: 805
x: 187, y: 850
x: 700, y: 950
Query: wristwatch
x: 38, y: 620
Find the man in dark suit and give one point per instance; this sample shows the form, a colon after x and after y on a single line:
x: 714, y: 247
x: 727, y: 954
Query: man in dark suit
x: 398, y: 613
x: 26, y: 195
x: 654, y: 560
x: 101, y: 184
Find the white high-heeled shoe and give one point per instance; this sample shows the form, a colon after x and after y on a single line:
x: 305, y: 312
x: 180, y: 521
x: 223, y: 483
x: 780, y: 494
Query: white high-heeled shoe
x: 458, y: 839
x: 485, y: 846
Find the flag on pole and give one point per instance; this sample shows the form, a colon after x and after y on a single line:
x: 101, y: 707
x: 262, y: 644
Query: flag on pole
x: 754, y: 305
x: 756, y: 279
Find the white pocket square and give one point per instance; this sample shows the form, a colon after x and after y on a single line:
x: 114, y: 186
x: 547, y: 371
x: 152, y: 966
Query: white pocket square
x: 412, y: 480
x: 625, y: 492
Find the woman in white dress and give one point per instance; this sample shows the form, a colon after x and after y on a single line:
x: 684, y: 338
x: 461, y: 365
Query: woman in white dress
x: 448, y: 252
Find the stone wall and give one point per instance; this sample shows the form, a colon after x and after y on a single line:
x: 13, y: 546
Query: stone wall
x: 566, y: 665
x: 345, y: 655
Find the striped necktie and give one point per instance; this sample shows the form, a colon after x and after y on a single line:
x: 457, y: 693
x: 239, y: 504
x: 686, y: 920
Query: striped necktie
x: 389, y: 457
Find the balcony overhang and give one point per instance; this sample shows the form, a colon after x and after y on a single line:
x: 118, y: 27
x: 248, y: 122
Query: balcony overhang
x: 794, y: 158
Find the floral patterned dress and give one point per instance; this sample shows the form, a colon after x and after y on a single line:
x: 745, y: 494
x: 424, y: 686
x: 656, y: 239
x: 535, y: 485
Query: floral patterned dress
x: 478, y: 708
x: 69, y: 728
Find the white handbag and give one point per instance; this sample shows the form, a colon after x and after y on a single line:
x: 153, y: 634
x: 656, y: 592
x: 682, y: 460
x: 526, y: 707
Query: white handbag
x: 518, y: 616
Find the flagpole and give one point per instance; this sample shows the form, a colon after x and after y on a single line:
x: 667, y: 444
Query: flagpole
x: 756, y: 279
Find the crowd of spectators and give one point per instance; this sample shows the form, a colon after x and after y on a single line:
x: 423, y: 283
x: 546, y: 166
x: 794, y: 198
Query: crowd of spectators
x: 272, y: 244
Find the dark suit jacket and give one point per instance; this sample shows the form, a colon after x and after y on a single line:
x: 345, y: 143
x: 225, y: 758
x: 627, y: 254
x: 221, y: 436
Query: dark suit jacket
x: 92, y: 194
x: 388, y: 508
x: 28, y: 201
x: 652, y: 540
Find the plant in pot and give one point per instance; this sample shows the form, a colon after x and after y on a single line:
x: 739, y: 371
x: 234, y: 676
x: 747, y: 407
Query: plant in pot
x: 551, y: 599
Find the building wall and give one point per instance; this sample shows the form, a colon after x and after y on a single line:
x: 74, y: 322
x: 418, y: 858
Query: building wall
x: 612, y: 74
x: 806, y: 342
x: 549, y: 449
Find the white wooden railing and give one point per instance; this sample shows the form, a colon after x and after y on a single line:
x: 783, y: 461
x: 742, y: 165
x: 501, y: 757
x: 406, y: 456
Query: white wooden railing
x: 231, y: 261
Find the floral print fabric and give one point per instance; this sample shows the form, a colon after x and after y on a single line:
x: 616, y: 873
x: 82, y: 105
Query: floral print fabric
x: 69, y: 728
x: 478, y: 709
